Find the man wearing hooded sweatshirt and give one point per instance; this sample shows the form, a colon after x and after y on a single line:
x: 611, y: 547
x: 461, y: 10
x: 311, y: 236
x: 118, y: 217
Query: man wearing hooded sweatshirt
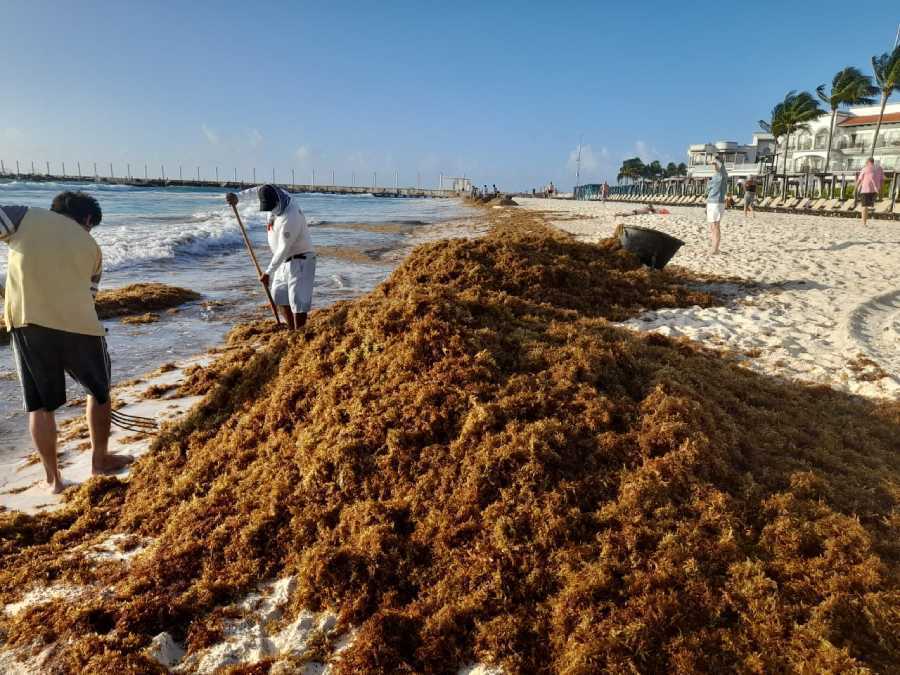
x: 715, y: 202
x: 292, y: 270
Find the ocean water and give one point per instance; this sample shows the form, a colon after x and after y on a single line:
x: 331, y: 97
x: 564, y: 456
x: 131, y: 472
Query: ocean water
x: 189, y: 237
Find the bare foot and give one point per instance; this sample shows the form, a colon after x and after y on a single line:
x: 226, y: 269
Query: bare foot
x: 57, y: 487
x: 111, y: 463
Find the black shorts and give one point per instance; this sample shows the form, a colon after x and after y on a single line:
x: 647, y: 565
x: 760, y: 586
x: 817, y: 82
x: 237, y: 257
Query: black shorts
x: 45, y: 355
x: 867, y: 198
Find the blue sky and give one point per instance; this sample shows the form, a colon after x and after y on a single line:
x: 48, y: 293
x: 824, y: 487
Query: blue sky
x: 498, y: 91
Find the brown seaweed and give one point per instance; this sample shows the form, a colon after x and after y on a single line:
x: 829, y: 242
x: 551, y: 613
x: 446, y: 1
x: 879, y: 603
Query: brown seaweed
x: 472, y: 463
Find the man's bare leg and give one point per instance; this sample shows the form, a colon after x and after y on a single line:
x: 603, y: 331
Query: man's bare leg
x: 288, y: 316
x: 98, y: 419
x: 42, y: 424
x: 299, y: 320
x: 865, y: 214
x: 715, y: 234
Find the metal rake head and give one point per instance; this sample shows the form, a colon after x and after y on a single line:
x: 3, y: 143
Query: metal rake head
x: 134, y: 422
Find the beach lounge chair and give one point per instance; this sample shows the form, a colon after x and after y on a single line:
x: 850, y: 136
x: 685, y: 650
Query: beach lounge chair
x: 818, y: 204
x: 832, y: 204
x: 764, y: 203
x: 846, y: 207
x: 776, y: 202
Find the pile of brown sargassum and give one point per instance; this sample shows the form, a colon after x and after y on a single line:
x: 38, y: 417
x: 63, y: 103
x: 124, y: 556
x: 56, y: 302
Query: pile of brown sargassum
x: 472, y: 463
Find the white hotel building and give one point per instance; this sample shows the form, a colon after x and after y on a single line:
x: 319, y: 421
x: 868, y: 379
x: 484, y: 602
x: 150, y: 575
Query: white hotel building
x: 853, y: 133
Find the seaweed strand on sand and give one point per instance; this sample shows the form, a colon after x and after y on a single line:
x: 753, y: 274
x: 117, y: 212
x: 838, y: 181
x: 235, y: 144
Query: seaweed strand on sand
x: 472, y: 462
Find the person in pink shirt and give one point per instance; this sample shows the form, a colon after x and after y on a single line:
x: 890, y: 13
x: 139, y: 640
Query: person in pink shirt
x: 868, y: 185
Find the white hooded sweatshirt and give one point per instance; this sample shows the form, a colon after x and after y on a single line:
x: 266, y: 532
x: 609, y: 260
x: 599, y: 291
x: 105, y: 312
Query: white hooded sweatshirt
x: 287, y: 231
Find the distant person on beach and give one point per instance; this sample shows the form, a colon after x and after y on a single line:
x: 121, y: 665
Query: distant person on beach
x: 749, y: 195
x: 715, y: 202
x: 636, y: 212
x: 868, y: 185
x: 53, y: 272
x: 604, y: 191
x: 291, y: 273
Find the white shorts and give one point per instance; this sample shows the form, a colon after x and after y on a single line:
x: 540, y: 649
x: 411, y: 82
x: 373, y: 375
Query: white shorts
x: 292, y: 284
x: 714, y: 212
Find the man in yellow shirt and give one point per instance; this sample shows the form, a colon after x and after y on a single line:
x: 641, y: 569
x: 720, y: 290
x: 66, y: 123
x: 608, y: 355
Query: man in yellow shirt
x: 53, y: 271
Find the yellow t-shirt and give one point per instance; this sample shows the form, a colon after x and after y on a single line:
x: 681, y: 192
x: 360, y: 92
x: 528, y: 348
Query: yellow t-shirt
x: 52, y: 274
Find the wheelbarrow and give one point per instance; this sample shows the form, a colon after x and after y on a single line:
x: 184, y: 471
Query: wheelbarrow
x: 654, y: 248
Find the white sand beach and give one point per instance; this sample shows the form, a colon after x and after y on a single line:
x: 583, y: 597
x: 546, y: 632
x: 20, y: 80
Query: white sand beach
x: 825, y: 307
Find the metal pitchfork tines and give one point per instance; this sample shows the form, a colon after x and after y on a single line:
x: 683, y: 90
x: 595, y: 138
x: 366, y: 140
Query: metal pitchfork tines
x: 134, y: 422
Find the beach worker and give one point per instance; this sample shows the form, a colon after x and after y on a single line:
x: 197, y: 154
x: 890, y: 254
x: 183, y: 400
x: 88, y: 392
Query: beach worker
x: 53, y: 271
x: 292, y: 271
x: 749, y: 195
x: 868, y: 185
x: 715, y: 202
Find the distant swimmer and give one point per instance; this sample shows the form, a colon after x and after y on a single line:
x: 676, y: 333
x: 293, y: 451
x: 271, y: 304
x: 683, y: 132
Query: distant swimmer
x: 291, y: 273
x: 51, y: 284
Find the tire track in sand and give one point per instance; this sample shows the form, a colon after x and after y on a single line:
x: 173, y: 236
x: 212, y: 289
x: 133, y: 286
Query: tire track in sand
x: 875, y: 328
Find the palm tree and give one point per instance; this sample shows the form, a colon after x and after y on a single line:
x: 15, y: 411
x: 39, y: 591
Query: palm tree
x: 848, y: 87
x: 887, y: 74
x: 791, y: 115
x: 632, y: 169
x: 775, y: 126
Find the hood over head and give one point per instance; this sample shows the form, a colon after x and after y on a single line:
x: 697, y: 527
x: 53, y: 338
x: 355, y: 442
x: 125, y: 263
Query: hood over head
x: 273, y: 198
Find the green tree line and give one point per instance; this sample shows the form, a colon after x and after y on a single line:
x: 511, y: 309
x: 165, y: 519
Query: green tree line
x: 634, y: 169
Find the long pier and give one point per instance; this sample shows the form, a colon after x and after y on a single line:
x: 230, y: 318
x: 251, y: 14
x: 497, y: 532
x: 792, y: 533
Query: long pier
x: 378, y: 191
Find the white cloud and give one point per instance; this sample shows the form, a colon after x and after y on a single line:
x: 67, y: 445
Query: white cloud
x: 210, y: 134
x: 255, y: 138
x: 648, y: 153
x: 12, y: 134
x: 589, y: 160
x: 303, y: 153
